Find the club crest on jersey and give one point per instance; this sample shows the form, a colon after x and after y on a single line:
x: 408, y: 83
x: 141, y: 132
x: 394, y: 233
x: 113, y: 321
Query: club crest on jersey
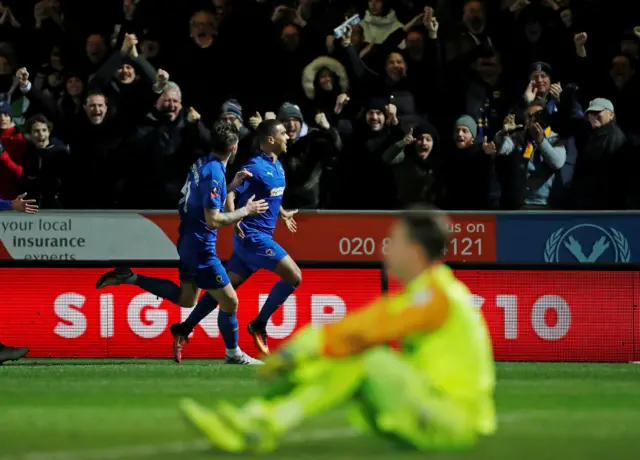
x: 219, y: 279
x: 214, y: 193
x: 270, y: 252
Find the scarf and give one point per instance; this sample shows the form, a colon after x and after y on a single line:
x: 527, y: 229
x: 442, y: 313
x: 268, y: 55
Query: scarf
x: 483, y: 119
x: 528, y: 150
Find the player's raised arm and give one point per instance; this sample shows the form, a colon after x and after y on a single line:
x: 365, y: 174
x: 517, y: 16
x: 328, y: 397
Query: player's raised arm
x: 385, y: 321
x: 20, y: 205
x: 216, y: 219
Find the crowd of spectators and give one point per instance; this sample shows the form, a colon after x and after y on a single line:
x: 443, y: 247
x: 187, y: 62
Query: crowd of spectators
x: 468, y: 104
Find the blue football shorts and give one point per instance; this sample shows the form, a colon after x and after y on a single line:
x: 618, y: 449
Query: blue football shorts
x: 249, y: 256
x: 211, y: 276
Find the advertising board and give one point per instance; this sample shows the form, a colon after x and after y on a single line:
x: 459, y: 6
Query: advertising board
x: 532, y: 315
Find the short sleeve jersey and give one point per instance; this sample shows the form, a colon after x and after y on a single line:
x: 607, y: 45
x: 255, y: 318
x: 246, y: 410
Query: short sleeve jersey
x: 204, y: 189
x: 267, y: 183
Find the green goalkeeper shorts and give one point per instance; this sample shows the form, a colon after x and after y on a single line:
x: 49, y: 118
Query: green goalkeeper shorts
x: 397, y: 402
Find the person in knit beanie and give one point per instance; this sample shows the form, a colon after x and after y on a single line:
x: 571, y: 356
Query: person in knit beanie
x: 375, y: 109
x: 415, y: 165
x: 465, y: 131
x: 288, y: 111
x: 468, y: 172
x: 231, y: 112
x: 291, y: 117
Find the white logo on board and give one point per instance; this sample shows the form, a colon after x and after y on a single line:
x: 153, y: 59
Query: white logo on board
x: 574, y: 241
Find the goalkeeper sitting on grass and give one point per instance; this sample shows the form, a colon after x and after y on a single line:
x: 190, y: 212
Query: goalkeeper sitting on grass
x: 435, y: 393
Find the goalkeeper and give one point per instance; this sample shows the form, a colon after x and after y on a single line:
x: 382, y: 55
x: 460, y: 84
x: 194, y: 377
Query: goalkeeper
x: 436, y: 393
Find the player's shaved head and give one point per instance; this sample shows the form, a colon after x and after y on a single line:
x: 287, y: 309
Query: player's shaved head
x: 429, y: 228
x: 267, y: 129
x: 272, y: 137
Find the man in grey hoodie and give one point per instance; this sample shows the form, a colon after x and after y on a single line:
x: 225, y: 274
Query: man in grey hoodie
x: 536, y: 154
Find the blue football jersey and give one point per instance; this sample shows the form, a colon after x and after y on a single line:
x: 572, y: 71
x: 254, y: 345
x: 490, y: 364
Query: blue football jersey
x: 268, y: 183
x: 205, y: 188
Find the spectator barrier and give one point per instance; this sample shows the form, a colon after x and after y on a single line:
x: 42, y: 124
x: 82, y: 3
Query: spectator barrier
x: 543, y: 312
x: 531, y: 237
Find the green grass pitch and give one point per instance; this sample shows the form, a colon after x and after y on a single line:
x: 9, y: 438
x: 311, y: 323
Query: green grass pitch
x: 127, y: 409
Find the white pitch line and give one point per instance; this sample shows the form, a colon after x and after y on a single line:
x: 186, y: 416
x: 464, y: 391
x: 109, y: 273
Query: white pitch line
x: 114, y: 453
x: 151, y: 450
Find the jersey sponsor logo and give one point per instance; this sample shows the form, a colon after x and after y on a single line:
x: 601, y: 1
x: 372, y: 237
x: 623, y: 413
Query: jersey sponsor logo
x: 278, y: 191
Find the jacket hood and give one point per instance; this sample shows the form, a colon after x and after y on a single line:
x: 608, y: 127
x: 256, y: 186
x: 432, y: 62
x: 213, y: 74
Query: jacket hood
x: 386, y: 21
x: 311, y: 71
x: 376, y: 29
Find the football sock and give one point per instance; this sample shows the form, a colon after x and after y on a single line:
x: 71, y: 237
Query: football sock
x: 228, y: 325
x: 280, y: 292
x: 159, y: 287
x: 205, y: 305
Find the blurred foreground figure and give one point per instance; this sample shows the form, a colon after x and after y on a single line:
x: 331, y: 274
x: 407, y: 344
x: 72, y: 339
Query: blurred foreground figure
x: 436, y: 392
x: 20, y: 204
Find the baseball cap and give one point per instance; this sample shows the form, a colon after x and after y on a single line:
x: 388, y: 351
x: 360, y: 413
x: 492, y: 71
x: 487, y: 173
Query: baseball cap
x: 599, y: 104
